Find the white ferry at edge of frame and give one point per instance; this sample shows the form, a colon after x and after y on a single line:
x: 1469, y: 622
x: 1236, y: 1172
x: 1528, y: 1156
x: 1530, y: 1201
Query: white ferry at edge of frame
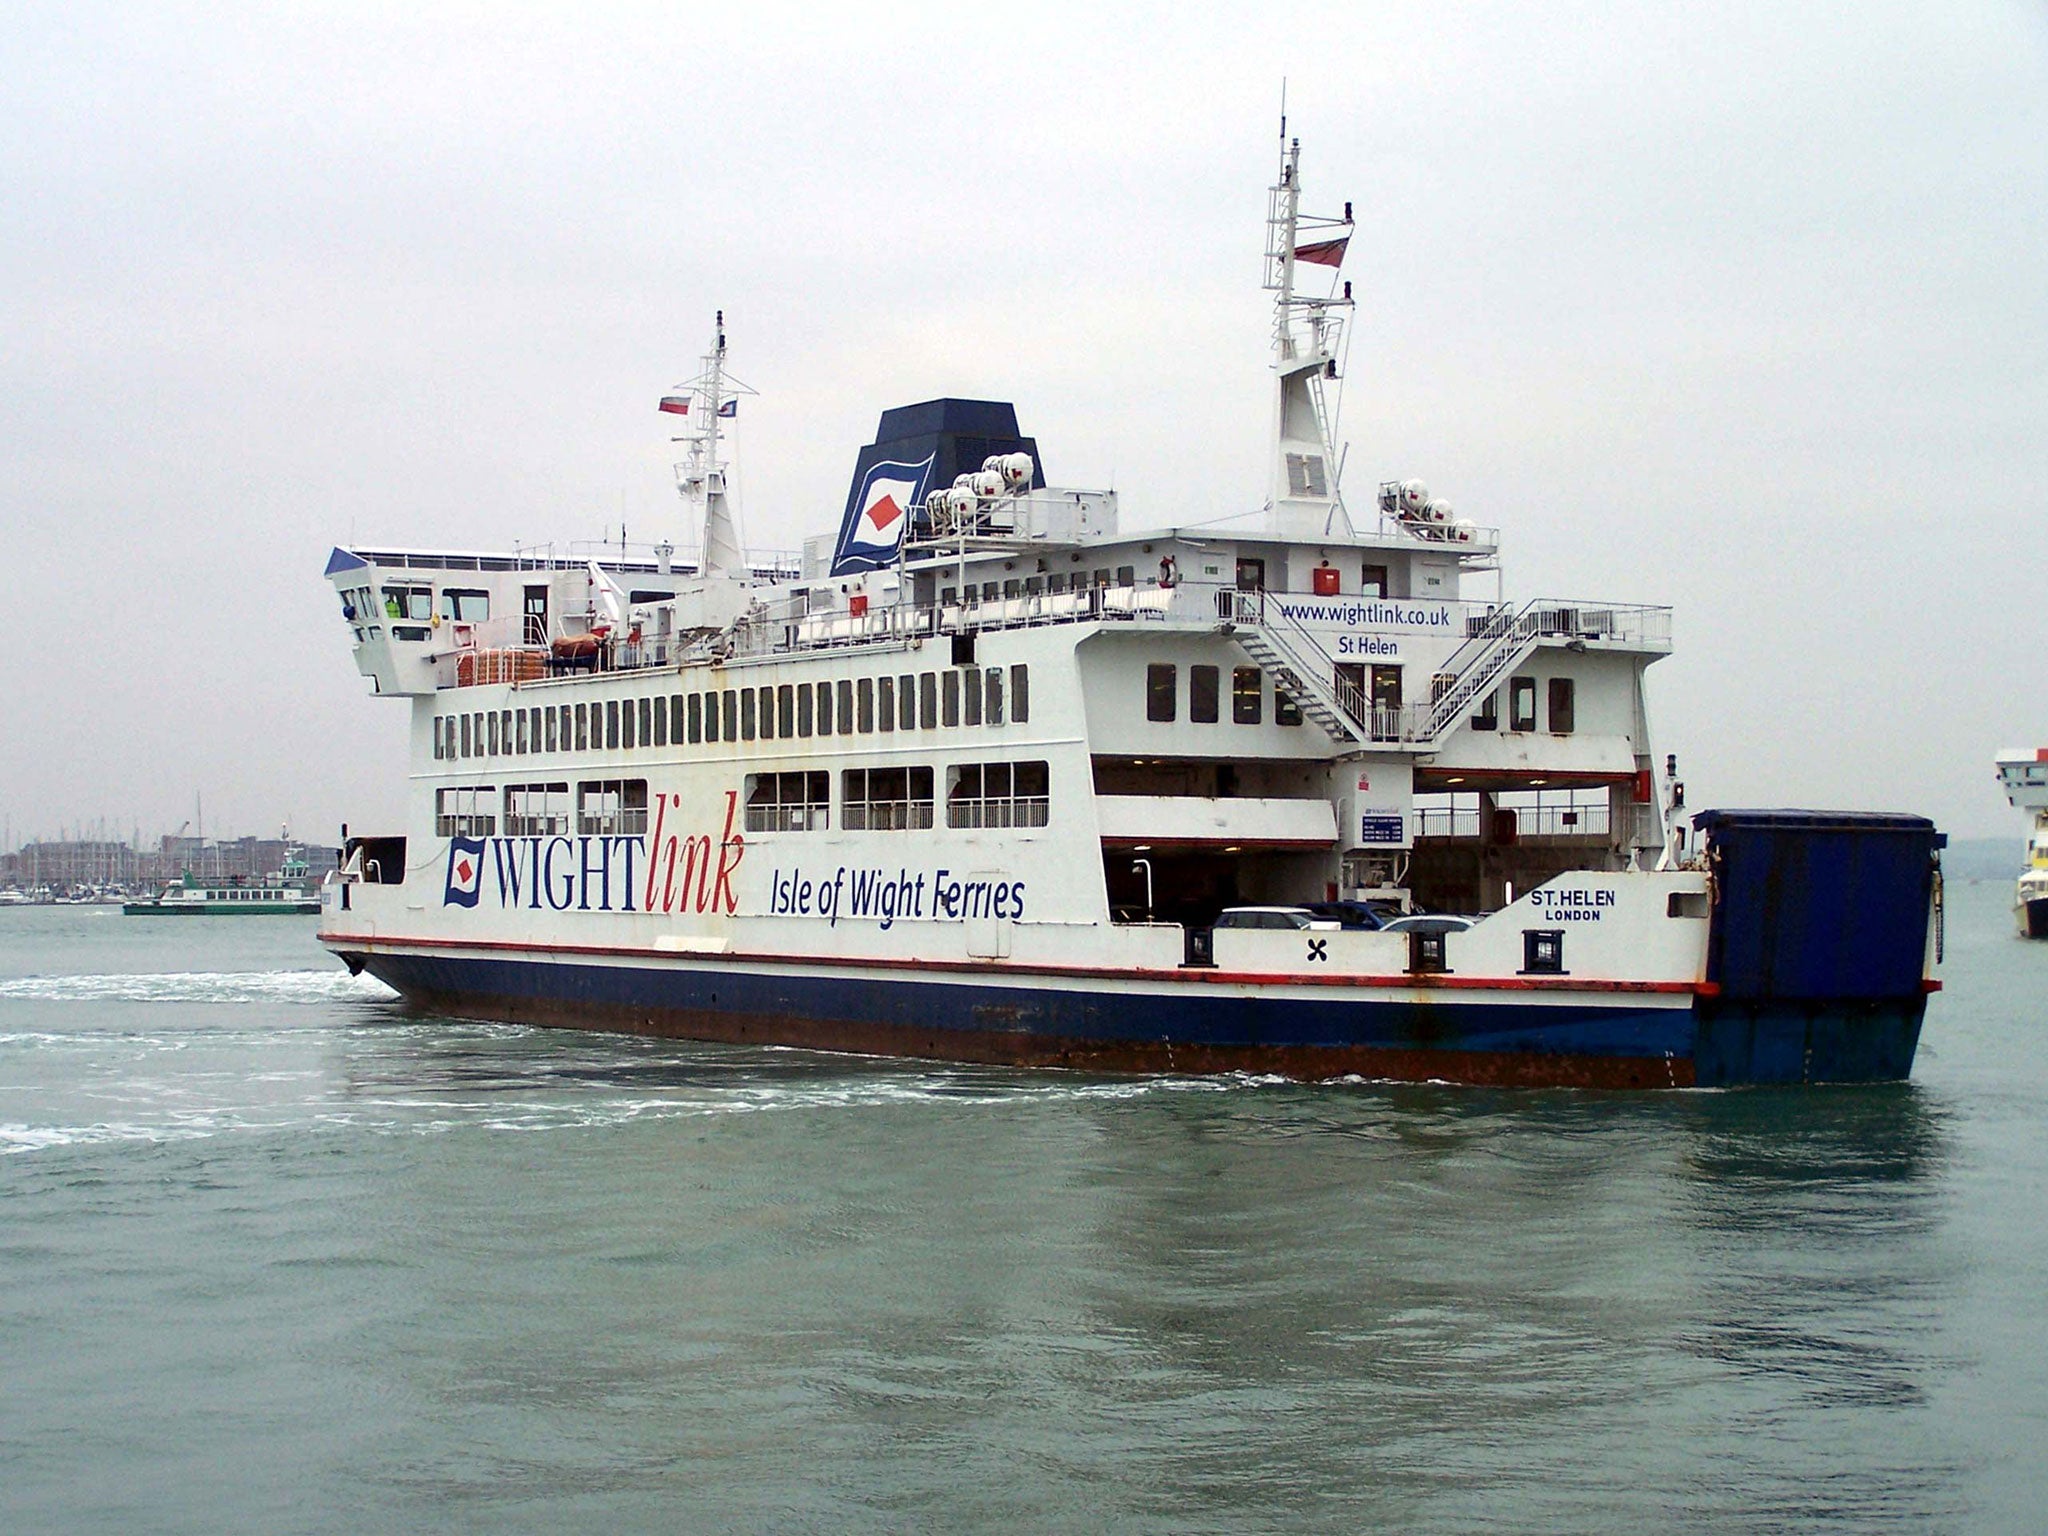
x: 973, y: 781
x: 2023, y: 775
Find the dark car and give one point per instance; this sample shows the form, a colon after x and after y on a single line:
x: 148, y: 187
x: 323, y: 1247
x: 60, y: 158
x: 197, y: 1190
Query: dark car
x: 1430, y: 922
x: 1355, y: 915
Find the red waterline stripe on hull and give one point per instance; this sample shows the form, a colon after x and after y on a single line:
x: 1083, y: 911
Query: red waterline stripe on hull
x: 1500, y: 1069
x: 1202, y: 974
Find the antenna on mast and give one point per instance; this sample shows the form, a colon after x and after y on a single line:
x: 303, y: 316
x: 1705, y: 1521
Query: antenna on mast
x: 712, y: 396
x: 1306, y: 500
x: 718, y: 595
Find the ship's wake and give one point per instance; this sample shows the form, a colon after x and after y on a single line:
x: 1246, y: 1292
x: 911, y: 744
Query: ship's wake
x: 321, y: 986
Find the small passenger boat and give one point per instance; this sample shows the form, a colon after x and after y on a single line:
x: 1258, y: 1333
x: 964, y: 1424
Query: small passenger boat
x: 290, y: 890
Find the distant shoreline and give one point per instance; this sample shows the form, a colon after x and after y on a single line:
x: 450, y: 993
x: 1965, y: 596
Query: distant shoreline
x: 1984, y: 858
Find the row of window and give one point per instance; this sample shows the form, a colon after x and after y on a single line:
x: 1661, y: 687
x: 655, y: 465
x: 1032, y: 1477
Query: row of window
x: 600, y: 808
x: 1032, y: 586
x: 1562, y: 699
x: 463, y: 604
x: 1205, y: 691
x: 785, y: 711
x: 1250, y: 577
x: 900, y: 799
x: 1247, y: 698
x: 871, y: 800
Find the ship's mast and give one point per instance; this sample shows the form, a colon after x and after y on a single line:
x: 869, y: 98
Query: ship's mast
x: 1305, y: 500
x: 701, y: 476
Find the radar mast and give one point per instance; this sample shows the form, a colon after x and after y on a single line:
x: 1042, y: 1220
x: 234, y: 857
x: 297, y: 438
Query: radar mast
x: 719, y: 594
x: 1305, y: 499
x: 701, y: 477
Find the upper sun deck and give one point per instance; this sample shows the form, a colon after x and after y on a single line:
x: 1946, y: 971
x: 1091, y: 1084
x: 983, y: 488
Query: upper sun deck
x: 576, y: 555
x: 1007, y: 572
x: 425, y: 621
x: 1079, y: 519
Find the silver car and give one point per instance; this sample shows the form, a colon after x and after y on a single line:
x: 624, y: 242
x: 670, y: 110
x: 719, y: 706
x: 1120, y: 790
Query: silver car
x: 1276, y: 918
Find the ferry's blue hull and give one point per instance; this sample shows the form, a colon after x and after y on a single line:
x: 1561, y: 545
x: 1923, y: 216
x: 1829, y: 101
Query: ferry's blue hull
x: 1814, y: 972
x: 1513, y: 1037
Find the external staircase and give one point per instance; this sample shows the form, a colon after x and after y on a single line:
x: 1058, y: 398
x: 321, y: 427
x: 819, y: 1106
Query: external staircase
x: 1305, y: 669
x: 1300, y: 665
x: 1502, y: 643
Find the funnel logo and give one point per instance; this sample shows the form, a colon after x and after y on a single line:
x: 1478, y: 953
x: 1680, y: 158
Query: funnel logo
x: 882, y: 510
x: 877, y: 514
x: 465, y: 872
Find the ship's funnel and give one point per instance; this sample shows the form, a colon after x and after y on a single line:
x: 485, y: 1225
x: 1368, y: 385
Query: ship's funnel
x: 917, y: 447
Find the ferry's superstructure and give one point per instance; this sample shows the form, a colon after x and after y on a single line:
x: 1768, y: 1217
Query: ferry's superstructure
x: 2023, y: 775
x: 975, y: 779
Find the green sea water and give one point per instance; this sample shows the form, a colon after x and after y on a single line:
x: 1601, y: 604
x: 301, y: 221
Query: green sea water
x: 277, y: 1256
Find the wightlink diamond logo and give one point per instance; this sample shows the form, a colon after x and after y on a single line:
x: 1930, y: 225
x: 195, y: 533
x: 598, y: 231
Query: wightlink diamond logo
x: 465, y: 872
x: 878, y: 513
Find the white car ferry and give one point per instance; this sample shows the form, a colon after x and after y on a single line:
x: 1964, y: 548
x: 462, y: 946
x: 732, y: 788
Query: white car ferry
x: 977, y: 778
x: 2023, y: 775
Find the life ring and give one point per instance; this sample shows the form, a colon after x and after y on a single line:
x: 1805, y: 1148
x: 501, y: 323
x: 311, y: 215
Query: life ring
x: 1169, y: 573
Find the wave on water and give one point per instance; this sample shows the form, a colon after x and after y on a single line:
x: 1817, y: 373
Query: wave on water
x: 321, y: 986
x: 16, y: 1138
x: 436, y: 1111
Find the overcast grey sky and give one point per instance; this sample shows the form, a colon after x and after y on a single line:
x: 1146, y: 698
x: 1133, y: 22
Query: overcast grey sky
x: 1739, y: 308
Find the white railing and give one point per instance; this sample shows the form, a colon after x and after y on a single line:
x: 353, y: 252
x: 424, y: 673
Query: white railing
x: 1457, y: 535
x: 785, y: 628
x: 888, y: 815
x: 644, y: 558
x: 813, y: 817
x: 1530, y: 821
x: 1503, y: 636
x: 1640, y: 825
x: 1028, y: 517
x: 1020, y: 811
x: 1635, y: 624
x: 1493, y: 633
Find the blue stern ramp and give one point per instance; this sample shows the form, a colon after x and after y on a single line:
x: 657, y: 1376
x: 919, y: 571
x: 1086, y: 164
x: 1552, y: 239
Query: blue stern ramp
x: 1826, y: 925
